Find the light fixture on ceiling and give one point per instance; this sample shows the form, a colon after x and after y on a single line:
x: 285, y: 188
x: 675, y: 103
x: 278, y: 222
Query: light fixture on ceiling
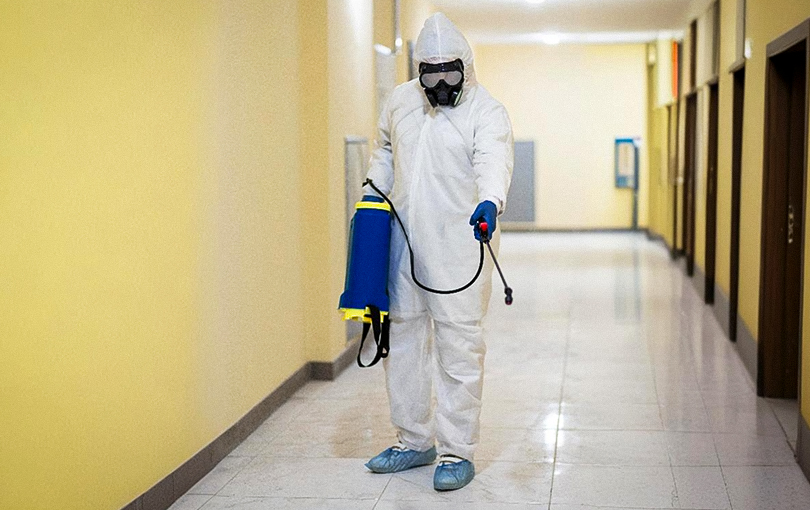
x: 535, y: 2
x: 551, y: 39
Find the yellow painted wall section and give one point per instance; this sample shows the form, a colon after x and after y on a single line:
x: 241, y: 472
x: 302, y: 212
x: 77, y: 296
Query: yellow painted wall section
x: 151, y: 284
x: 384, y: 23
x: 251, y: 338
x: 351, y: 102
x: 728, y: 23
x: 313, y: 93
x: 573, y: 101
x: 660, y: 190
x: 413, y: 14
x: 701, y: 175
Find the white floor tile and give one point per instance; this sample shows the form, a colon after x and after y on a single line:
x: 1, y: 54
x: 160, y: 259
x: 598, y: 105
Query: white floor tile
x: 624, y: 486
x: 434, y: 505
x: 220, y: 475
x: 612, y: 448
x: 747, y: 450
x: 602, y: 416
x: 241, y: 503
x: 332, y: 440
x: 685, y: 417
x: 693, y: 449
x: 701, y: 488
x: 190, y: 502
x: 767, y: 488
x: 290, y: 477
x: 517, y: 445
x: 759, y: 421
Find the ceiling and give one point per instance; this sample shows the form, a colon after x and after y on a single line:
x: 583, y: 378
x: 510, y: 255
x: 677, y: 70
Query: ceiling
x: 553, y: 21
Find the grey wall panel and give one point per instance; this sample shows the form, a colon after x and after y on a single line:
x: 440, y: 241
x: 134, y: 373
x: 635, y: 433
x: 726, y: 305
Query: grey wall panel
x: 520, y: 201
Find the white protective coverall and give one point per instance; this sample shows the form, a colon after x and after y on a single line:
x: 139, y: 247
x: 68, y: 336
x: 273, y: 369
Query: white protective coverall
x: 437, y: 165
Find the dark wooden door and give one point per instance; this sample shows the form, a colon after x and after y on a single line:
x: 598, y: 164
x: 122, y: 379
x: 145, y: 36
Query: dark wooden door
x: 674, y: 126
x: 711, y: 197
x: 736, y: 180
x: 688, y: 230
x: 782, y: 225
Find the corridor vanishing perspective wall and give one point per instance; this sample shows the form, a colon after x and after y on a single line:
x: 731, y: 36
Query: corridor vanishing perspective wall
x: 765, y: 20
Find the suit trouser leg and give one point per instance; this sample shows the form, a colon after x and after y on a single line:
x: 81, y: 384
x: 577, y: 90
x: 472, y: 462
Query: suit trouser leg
x: 408, y: 375
x: 460, y: 352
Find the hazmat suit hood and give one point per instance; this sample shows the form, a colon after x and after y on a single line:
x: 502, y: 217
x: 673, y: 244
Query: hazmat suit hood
x: 440, y: 41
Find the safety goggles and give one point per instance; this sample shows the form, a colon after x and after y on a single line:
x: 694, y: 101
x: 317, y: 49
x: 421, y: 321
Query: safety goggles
x: 451, y: 72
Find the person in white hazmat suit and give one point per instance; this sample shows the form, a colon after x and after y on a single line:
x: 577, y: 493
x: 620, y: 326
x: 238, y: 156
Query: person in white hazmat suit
x: 444, y: 150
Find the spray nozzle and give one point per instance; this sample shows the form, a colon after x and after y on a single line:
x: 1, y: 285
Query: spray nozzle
x: 482, y: 229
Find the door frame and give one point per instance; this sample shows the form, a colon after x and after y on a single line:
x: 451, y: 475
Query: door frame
x: 765, y: 354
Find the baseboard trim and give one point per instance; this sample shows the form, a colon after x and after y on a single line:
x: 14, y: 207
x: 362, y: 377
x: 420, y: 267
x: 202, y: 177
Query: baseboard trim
x: 699, y: 282
x: 326, y: 371
x: 747, y: 348
x: 168, y: 490
x: 512, y: 228
x: 803, y: 447
x: 721, y: 309
x: 657, y: 238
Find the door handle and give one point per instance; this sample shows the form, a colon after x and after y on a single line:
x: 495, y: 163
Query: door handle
x: 791, y: 221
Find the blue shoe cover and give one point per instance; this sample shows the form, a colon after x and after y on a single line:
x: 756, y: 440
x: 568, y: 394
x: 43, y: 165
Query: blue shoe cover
x: 450, y: 475
x: 399, y: 458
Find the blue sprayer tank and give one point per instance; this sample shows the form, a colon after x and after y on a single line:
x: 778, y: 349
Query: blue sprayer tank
x: 367, y: 265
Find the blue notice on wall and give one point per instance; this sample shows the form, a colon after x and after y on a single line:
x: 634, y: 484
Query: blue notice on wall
x: 626, y: 156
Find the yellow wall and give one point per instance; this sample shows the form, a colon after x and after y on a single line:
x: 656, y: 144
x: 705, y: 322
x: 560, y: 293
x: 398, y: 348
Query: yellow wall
x: 553, y: 94
x: 351, y: 111
x: 660, y: 189
x: 171, y: 183
x: 728, y: 30
x: 413, y: 14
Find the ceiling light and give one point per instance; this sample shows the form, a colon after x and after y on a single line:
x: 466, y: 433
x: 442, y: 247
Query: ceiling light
x: 536, y: 2
x: 552, y: 39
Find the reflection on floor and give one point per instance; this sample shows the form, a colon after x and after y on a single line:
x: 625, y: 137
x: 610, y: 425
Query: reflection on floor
x: 608, y: 384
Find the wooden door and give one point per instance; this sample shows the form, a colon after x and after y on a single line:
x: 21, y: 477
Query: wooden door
x: 688, y: 230
x: 736, y: 179
x: 783, y: 223
x: 711, y: 197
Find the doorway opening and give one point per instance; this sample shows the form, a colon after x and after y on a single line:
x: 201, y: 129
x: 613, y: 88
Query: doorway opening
x: 783, y: 205
x: 688, y: 229
x: 711, y: 196
x: 736, y: 179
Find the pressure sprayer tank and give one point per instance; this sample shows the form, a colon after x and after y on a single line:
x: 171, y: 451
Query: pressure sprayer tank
x: 367, y: 266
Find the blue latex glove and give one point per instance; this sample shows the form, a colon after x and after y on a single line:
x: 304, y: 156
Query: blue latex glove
x: 487, y: 212
x: 372, y: 198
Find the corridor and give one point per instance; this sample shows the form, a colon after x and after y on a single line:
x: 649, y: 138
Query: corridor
x: 608, y: 385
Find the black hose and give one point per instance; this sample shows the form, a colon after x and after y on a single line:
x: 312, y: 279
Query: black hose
x: 410, y: 249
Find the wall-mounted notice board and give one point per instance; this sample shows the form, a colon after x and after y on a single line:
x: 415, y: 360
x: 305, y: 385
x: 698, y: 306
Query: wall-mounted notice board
x: 626, y: 154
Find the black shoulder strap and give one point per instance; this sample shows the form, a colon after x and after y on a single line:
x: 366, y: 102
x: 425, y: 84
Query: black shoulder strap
x: 380, y: 326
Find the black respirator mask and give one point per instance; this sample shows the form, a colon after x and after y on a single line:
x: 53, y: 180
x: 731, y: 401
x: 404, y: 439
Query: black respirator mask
x: 442, y: 82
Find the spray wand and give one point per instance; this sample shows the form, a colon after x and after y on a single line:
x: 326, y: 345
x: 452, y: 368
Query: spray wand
x: 483, y: 232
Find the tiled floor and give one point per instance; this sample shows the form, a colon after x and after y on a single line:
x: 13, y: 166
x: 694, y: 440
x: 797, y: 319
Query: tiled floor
x: 608, y: 385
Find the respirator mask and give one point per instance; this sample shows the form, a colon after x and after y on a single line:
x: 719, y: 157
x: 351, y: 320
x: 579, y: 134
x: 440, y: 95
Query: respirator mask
x: 442, y: 82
